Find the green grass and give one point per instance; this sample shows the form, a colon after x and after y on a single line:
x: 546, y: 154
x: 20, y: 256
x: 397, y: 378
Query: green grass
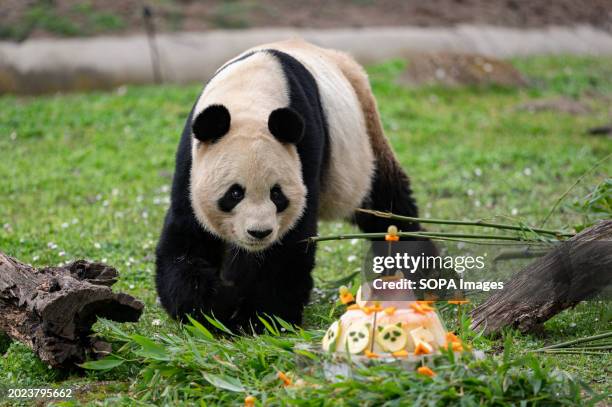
x: 87, y: 176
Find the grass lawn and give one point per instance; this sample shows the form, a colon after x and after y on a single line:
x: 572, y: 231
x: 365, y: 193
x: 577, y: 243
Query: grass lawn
x: 88, y: 176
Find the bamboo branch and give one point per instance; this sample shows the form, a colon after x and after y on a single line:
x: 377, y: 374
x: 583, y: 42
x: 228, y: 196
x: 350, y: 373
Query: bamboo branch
x: 571, y: 352
x: 577, y: 341
x: 478, y: 223
x: 428, y: 235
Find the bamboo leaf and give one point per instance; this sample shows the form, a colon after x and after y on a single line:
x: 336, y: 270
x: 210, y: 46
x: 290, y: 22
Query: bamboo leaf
x: 224, y: 382
x: 108, y: 363
x: 201, y: 328
x: 567, y: 344
x: 218, y: 324
x: 150, y: 348
x: 269, y: 326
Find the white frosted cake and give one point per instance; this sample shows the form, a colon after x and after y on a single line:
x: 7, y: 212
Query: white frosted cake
x: 388, y: 329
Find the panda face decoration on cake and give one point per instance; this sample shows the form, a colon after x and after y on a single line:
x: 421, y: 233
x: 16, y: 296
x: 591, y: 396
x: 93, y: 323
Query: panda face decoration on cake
x: 246, y: 178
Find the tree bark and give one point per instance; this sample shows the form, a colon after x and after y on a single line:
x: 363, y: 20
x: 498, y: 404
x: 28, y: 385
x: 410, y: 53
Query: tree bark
x: 573, y: 271
x: 52, y: 309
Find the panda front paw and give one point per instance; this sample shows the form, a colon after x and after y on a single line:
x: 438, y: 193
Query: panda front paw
x: 186, y: 286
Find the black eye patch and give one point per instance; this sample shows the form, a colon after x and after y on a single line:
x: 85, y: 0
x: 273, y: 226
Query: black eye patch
x: 231, y: 198
x: 278, y: 198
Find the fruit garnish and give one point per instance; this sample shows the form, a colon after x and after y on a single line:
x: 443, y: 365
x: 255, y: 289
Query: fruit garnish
x: 285, y: 379
x: 423, y: 348
x: 357, y: 337
x: 390, y: 310
x: 374, y: 308
x: 456, y: 347
x: 400, y: 353
x: 421, y: 334
x: 331, y: 337
x: 391, y: 235
x: 451, y: 337
x: 392, y: 338
x: 420, y: 308
x: 345, y: 295
x: 426, y: 305
x: 424, y: 370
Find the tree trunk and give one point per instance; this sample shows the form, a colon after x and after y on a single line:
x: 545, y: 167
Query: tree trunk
x: 573, y: 271
x: 52, y: 309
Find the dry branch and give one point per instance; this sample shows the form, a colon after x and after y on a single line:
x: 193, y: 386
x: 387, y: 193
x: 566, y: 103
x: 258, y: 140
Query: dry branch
x: 52, y: 309
x: 573, y: 271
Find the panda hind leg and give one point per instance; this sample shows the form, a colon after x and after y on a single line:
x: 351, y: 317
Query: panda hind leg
x: 391, y: 192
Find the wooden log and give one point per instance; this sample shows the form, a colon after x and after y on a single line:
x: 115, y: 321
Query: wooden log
x: 52, y: 309
x: 573, y: 271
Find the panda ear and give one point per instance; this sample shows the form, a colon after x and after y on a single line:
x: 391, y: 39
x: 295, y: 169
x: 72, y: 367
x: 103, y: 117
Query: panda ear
x: 212, y: 123
x: 286, y: 125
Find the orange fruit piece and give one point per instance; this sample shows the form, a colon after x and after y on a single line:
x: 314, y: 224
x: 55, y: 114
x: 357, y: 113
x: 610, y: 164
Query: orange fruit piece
x: 451, y: 337
x: 390, y: 310
x: 423, y: 348
x: 420, y: 308
x: 424, y: 370
x: 373, y: 308
x: 371, y: 355
x: 249, y: 401
x: 425, y: 305
x: 400, y: 354
x: 286, y: 380
x: 457, y: 347
x: 346, y: 298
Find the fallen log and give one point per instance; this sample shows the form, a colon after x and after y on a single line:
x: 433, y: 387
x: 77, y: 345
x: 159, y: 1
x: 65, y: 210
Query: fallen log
x: 52, y: 309
x: 573, y: 271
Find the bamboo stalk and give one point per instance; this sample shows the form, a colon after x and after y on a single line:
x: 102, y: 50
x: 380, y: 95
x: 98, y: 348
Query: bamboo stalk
x: 571, y: 352
x: 588, y: 348
x: 430, y: 235
x: 479, y: 223
x: 598, y: 345
x: 576, y: 341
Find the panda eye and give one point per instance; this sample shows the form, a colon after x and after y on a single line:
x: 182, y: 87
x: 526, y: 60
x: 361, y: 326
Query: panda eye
x: 231, y: 198
x: 276, y: 193
x: 236, y: 192
x: 278, y: 198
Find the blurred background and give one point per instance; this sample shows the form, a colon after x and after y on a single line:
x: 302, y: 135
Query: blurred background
x: 62, y: 45
x: 23, y: 19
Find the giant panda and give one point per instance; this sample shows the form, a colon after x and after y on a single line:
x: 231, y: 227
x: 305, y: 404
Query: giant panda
x: 281, y: 136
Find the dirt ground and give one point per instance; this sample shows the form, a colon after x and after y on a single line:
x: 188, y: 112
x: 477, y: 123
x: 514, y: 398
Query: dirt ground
x: 21, y: 19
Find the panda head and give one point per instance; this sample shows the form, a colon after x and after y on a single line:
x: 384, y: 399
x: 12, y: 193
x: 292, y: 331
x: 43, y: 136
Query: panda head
x: 246, y: 176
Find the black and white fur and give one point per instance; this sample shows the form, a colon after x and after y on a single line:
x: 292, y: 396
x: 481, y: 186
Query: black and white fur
x: 282, y: 136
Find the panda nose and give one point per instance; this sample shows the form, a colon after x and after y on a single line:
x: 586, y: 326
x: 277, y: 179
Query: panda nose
x: 259, y: 234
